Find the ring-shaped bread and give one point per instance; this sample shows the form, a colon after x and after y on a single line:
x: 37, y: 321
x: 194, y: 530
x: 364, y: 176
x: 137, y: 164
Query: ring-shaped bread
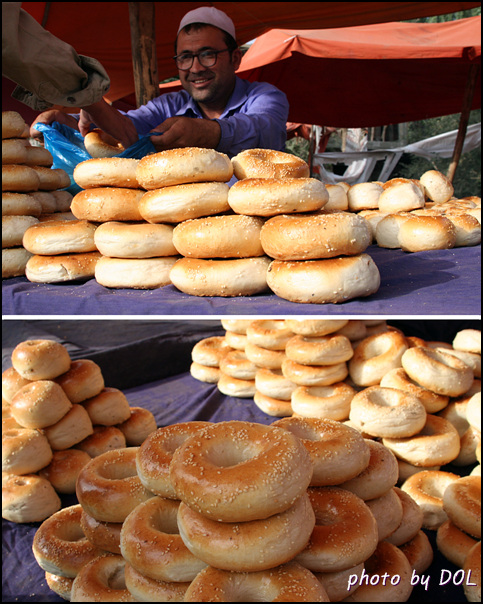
x: 145, y: 589
x: 106, y: 204
x: 380, y: 475
x: 314, y: 375
x: 438, y: 443
x: 324, y: 350
x: 151, y: 543
x: 398, y: 378
x: 387, y: 561
x: 338, y: 452
x: 387, y: 412
x: 269, y: 334
x: 240, y: 471
x: 324, y: 402
x: 472, y: 567
x: 290, y: 582
x: 184, y: 165
x: 135, y: 240
x: 227, y: 236
x: 268, y: 163
x: 225, y: 278
x: 462, y: 503
x: 331, y: 280
x: 210, y: 351
x: 109, y: 488
x: 40, y: 359
x: 375, y: 356
x: 248, y: 546
x: 101, y: 144
x: 177, y: 203
x: 271, y: 196
x: 335, y: 544
x: 60, y: 545
x: 102, y: 580
x: 156, y: 452
x: 315, y: 236
x: 427, y: 489
x: 107, y: 172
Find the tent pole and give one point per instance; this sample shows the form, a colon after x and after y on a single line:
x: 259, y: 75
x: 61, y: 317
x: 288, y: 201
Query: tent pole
x: 143, y: 48
x: 464, y: 118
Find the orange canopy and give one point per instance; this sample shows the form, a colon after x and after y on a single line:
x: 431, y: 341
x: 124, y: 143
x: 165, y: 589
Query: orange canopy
x: 101, y: 29
x: 371, y: 75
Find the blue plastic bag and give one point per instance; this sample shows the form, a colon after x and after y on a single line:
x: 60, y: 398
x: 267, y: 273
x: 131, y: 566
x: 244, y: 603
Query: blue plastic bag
x: 67, y: 148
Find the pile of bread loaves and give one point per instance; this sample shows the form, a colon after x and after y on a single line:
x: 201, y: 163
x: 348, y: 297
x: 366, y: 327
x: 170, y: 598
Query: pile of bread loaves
x: 419, y: 399
x: 57, y: 414
x: 302, y: 510
x: 172, y: 218
x: 32, y: 192
x: 414, y: 215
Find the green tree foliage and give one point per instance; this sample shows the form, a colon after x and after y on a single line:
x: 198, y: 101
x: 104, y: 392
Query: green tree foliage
x: 467, y: 180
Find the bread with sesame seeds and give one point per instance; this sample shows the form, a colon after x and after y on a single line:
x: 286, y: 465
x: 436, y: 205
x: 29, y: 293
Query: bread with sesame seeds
x: 238, y: 471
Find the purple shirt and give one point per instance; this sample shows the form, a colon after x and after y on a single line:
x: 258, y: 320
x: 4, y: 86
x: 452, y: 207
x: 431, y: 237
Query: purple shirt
x: 255, y: 116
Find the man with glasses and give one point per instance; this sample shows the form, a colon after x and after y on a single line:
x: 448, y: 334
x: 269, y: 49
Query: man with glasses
x: 235, y: 114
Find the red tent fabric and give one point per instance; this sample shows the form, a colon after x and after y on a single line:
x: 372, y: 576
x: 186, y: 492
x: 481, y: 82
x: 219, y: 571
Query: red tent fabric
x: 101, y: 29
x: 370, y: 75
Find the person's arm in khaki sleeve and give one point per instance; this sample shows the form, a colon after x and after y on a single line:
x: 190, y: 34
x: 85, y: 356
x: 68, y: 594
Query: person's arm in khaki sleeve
x: 47, y: 70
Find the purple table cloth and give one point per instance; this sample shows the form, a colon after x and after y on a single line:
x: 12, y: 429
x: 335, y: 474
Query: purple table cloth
x: 440, y: 282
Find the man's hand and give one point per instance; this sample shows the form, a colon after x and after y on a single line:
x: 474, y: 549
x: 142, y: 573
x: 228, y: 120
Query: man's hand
x: 109, y: 120
x: 186, y: 132
x: 53, y: 115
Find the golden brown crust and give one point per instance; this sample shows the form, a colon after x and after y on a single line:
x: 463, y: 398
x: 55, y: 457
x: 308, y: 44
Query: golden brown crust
x: 61, y: 267
x: 334, y: 544
x: 268, y: 163
x: 104, y: 204
x: 109, y: 488
x: 185, y: 165
x: 273, y: 196
x: 60, y: 546
x: 338, y: 452
x: 261, y: 472
x: 151, y: 543
x: 248, y: 546
x: 436, y: 444
x: 226, y: 278
x: 155, y: 454
x: 40, y: 359
x: 100, y: 144
x: 107, y: 172
x: 219, y: 237
x: 290, y: 582
x: 332, y: 280
x: 176, y: 203
x: 60, y: 237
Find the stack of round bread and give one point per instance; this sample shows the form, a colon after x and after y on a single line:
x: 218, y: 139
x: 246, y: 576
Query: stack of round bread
x: 295, y: 511
x: 317, y: 253
x: 132, y: 253
x: 31, y: 192
x: 254, y: 363
x: 411, y: 393
x: 417, y: 215
x: 221, y: 252
x: 58, y: 414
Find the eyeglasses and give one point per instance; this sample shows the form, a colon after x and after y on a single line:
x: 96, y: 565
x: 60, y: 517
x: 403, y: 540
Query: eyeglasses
x: 206, y: 58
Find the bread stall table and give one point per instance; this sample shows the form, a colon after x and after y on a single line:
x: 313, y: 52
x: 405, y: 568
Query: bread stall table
x: 150, y: 361
x: 434, y: 282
